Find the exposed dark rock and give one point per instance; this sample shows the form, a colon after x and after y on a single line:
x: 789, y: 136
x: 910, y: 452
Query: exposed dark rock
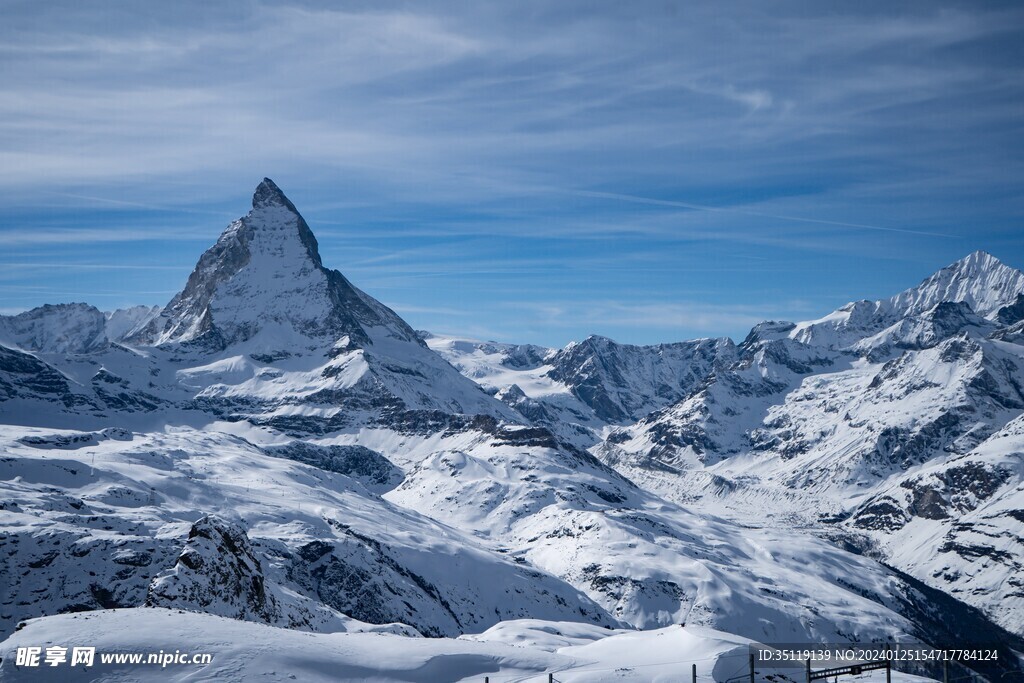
x: 367, y: 466
x: 217, y: 572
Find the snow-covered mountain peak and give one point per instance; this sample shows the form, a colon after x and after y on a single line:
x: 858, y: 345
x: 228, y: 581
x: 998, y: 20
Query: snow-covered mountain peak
x: 766, y: 331
x: 60, y: 328
x: 269, y: 194
x: 979, y: 279
x: 273, y: 212
x: 263, y: 285
x: 263, y: 331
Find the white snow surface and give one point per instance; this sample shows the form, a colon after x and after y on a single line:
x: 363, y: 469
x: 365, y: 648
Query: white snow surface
x: 513, y: 651
x: 122, y: 504
x: 126, y: 322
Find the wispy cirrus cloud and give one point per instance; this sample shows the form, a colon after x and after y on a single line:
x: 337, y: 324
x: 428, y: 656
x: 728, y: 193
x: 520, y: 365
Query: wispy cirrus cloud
x: 664, y: 315
x: 33, y: 237
x: 42, y: 265
x: 571, y: 150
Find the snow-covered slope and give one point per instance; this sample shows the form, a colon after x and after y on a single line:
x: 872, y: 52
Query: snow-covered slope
x: 525, y: 650
x: 959, y: 522
x: 127, y: 322
x: 206, y: 520
x: 520, y: 376
x: 823, y: 420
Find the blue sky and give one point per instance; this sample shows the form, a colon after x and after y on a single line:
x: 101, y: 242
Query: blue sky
x: 530, y: 171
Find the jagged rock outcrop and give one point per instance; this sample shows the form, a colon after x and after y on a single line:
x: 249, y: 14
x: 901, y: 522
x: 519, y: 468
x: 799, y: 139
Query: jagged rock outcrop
x: 368, y: 467
x: 217, y: 572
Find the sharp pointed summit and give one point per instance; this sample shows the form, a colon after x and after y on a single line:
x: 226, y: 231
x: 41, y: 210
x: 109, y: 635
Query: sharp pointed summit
x: 263, y: 283
x: 261, y: 295
x: 269, y: 194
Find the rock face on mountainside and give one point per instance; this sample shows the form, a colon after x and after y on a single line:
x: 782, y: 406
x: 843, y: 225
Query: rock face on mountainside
x: 72, y: 328
x: 277, y: 446
x: 24, y: 376
x: 217, y: 572
x: 623, y: 382
x: 579, y: 390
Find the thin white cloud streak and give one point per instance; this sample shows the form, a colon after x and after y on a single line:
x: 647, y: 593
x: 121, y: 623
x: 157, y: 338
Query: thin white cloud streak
x: 746, y: 212
x: 406, y: 309
x: 33, y: 265
x: 99, y: 127
x: 138, y: 205
x: 676, y: 315
x: 20, y: 237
